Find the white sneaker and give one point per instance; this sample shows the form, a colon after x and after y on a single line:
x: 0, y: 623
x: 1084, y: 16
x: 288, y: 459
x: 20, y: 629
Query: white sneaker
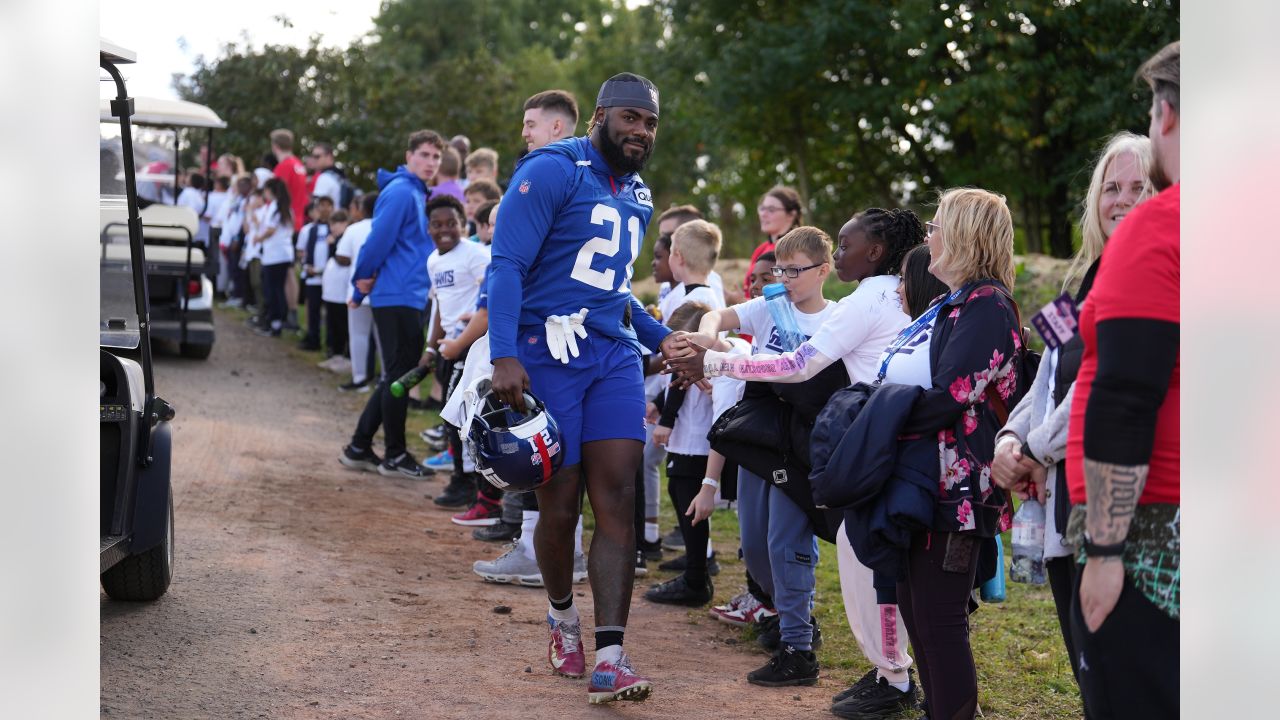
x: 512, y: 567
x: 579, y: 568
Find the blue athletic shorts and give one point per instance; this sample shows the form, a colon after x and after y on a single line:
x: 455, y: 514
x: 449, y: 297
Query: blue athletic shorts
x: 598, y: 395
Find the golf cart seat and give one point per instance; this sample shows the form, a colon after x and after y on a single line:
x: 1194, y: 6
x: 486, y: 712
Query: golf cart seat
x: 166, y: 230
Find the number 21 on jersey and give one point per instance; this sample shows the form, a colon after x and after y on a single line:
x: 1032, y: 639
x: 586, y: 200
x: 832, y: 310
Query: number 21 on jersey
x: 605, y: 279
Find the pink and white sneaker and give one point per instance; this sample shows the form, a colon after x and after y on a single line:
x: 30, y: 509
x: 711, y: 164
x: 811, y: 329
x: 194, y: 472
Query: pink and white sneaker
x: 565, y: 649
x: 743, y: 610
x: 617, y: 681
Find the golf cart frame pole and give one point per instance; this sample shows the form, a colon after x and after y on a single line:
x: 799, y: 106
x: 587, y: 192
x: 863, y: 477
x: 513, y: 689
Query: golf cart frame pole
x: 122, y: 108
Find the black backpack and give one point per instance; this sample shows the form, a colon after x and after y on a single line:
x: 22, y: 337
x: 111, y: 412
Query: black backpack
x: 347, y: 191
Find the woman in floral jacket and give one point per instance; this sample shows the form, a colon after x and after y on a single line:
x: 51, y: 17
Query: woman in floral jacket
x: 963, y: 351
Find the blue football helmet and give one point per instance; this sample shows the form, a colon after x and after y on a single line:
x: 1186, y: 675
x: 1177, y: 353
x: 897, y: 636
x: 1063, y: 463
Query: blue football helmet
x: 517, y: 452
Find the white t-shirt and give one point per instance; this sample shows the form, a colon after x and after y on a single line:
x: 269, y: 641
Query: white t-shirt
x: 349, y: 246
x: 754, y: 320
x: 217, y: 199
x: 277, y: 248
x: 231, y: 218
x: 328, y: 185
x: 455, y: 281
x: 911, y: 364
x: 862, y: 325
x: 713, y: 280
x: 335, y: 279
x: 322, y: 249
x: 252, y: 250
x: 194, y: 199
x: 677, y: 296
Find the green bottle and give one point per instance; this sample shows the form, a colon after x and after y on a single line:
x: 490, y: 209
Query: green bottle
x: 407, y: 381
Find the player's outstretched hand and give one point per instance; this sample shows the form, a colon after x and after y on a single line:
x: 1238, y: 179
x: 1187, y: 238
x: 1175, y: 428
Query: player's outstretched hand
x: 510, y: 381
x: 684, y: 345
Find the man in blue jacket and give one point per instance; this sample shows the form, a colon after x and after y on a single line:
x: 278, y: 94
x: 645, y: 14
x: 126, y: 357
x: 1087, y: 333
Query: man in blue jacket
x: 391, y: 268
x: 563, y: 322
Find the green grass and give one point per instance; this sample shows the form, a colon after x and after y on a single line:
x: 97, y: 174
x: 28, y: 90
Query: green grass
x: 1023, y: 669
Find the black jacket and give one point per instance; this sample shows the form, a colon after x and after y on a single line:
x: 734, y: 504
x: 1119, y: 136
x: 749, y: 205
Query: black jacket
x: 767, y: 433
x: 887, y: 486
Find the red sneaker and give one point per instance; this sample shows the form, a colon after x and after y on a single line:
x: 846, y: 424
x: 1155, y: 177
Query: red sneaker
x: 611, y: 682
x: 484, y: 512
x: 564, y: 652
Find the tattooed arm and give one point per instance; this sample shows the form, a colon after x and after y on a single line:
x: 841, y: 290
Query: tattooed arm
x: 1136, y: 359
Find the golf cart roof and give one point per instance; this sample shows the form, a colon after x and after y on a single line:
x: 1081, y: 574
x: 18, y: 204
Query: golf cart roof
x: 114, y: 53
x: 162, y: 112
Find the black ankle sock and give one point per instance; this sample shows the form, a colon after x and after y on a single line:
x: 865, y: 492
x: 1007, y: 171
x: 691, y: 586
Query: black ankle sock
x: 605, y: 638
x: 562, y: 604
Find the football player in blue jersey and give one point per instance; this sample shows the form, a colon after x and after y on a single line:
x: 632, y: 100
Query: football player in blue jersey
x: 563, y: 323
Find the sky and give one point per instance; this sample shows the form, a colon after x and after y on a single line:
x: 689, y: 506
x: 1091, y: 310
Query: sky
x: 168, y: 36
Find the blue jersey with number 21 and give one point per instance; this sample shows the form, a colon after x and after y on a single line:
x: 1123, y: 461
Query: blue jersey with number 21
x: 568, y: 234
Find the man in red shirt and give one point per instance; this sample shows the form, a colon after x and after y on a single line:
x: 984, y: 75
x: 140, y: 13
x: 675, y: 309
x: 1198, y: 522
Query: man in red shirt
x: 1123, y: 446
x: 290, y: 169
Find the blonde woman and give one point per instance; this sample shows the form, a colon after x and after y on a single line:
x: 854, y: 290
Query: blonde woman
x: 1031, y: 449
x: 962, y: 352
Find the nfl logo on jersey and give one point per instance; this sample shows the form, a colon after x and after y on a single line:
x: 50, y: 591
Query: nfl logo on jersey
x: 524, y: 187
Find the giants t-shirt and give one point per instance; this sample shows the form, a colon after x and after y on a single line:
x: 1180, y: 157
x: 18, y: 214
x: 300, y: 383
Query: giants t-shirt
x: 754, y: 320
x: 455, y: 282
x: 1138, y: 278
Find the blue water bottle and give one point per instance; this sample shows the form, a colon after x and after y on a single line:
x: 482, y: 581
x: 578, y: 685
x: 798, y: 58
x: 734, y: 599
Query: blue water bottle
x: 784, y: 316
x: 992, y: 591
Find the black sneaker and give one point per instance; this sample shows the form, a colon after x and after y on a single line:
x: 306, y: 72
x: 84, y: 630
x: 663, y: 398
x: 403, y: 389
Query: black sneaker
x: 770, y: 633
x: 349, y: 386
x: 366, y: 460
x: 876, y: 700
x: 459, y: 493
x: 787, y: 667
x: 652, y: 550
x: 309, y: 347
x: 865, y: 681
x: 405, y: 465
x: 502, y: 532
x: 673, y: 541
x: 678, y: 591
x: 642, y: 567
x: 679, y: 564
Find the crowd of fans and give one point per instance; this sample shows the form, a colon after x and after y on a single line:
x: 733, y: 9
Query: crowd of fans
x: 930, y: 344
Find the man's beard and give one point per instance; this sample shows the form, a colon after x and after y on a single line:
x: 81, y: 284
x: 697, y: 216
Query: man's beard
x: 1159, y: 176
x: 616, y: 156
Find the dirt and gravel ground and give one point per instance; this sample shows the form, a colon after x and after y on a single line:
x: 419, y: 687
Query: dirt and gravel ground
x: 305, y: 590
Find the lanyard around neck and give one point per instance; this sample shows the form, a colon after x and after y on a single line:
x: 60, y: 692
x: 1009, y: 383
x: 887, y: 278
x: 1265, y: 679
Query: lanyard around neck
x: 911, y: 330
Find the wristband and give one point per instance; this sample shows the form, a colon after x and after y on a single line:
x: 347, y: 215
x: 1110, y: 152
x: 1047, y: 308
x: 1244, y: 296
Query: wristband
x: 1093, y: 550
x: 712, y: 482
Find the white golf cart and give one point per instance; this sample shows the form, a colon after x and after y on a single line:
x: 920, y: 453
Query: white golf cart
x: 180, y: 271
x: 136, y: 519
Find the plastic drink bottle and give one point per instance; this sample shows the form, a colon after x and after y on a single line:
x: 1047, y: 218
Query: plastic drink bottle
x: 992, y: 591
x: 1028, y: 544
x: 407, y: 381
x: 784, y: 316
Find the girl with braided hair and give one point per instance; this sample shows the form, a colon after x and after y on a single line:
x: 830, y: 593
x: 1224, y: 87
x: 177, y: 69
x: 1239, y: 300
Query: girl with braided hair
x: 871, y: 248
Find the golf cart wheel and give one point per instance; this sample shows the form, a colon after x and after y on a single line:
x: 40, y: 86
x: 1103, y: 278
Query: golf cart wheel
x: 144, y: 576
x: 196, y: 351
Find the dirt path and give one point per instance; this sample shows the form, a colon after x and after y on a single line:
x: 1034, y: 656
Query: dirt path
x: 305, y: 590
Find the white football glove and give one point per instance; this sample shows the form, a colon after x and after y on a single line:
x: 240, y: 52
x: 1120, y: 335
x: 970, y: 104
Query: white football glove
x: 561, y: 330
